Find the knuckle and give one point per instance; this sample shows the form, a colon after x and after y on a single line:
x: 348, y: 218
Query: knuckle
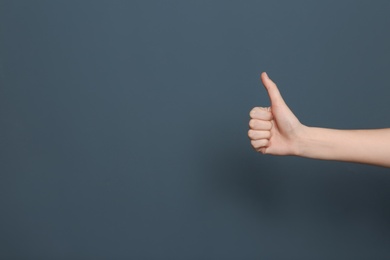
x: 250, y: 133
x: 254, y: 144
x: 252, y: 123
x: 252, y: 112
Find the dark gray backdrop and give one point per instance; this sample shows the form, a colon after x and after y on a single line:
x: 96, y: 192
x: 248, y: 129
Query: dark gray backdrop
x: 123, y: 129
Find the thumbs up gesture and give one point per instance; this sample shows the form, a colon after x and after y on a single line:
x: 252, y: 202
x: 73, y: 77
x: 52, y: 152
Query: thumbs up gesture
x: 275, y: 129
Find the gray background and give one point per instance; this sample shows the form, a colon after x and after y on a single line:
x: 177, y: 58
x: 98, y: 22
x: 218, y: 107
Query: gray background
x: 123, y: 129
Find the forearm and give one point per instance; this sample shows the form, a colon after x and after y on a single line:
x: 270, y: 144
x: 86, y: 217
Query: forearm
x: 363, y: 146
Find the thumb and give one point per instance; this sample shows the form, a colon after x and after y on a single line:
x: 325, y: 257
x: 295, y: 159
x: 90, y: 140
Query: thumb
x: 272, y: 89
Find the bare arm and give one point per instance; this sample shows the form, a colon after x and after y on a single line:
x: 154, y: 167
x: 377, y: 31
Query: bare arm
x: 363, y: 146
x: 276, y: 130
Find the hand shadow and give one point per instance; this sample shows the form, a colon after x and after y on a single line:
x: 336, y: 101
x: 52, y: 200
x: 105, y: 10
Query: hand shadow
x: 235, y: 173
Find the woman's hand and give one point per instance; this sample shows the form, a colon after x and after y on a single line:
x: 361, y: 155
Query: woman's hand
x: 274, y: 130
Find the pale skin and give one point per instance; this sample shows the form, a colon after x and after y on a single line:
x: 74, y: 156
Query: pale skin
x: 276, y: 130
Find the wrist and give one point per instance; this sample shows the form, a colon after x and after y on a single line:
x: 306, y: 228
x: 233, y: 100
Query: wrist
x: 300, y: 141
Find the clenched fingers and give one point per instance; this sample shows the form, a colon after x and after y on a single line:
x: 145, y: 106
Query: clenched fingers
x: 261, y: 113
x: 256, y: 124
x: 257, y: 144
x: 257, y: 135
x: 260, y: 126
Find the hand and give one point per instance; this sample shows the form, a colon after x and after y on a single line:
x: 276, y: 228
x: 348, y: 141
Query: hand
x: 274, y: 130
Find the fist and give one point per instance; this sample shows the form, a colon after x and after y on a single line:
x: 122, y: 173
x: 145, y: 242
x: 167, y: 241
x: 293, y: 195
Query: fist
x: 260, y: 128
x: 275, y: 129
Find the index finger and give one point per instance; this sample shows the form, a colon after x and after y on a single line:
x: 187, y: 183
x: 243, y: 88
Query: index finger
x: 261, y: 113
